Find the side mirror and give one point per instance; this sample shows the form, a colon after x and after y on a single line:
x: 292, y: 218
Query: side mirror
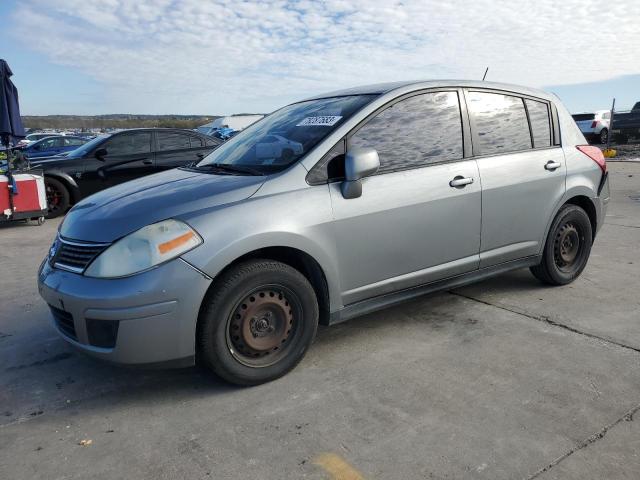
x: 358, y: 163
x: 100, y: 154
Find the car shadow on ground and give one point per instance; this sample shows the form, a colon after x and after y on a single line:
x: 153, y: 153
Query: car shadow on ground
x: 62, y: 377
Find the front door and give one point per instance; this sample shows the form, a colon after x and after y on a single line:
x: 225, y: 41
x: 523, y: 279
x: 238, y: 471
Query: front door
x: 411, y: 225
x: 523, y: 173
x: 129, y: 156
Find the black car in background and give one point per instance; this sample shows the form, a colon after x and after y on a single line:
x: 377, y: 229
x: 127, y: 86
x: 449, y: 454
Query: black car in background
x: 114, y: 158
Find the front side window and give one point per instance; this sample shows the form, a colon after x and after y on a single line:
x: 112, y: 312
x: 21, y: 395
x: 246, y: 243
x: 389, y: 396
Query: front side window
x: 500, y: 122
x: 415, y: 132
x: 173, y: 141
x: 129, y: 144
x: 540, y: 123
x: 285, y: 136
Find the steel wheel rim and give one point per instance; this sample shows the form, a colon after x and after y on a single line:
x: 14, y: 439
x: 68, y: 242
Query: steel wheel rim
x: 568, y: 246
x: 263, y: 325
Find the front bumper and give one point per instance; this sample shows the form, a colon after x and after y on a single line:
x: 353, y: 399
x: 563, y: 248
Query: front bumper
x: 147, y: 318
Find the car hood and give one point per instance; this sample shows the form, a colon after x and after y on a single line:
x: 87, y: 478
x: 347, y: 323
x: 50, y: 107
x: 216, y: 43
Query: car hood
x: 118, y: 211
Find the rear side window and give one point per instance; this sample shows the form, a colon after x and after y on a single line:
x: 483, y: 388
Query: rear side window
x: 73, y: 142
x: 581, y: 117
x: 500, y: 121
x: 129, y: 144
x: 540, y: 123
x: 414, y: 132
x: 173, y: 141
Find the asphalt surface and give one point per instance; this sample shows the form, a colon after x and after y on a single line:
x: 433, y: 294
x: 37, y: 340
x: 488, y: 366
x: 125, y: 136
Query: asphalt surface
x: 504, y: 379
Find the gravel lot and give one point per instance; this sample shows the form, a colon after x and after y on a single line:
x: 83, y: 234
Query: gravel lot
x: 504, y: 379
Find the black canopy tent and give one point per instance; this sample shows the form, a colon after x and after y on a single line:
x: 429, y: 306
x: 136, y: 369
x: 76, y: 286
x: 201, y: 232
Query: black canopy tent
x: 11, y: 128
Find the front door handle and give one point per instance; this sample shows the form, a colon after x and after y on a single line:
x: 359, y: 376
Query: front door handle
x: 460, y: 181
x: 551, y: 165
x: 147, y: 162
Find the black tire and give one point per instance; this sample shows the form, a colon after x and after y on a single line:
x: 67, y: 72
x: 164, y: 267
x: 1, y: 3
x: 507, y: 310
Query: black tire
x: 257, y: 322
x: 604, y: 136
x: 567, y: 247
x: 58, y: 197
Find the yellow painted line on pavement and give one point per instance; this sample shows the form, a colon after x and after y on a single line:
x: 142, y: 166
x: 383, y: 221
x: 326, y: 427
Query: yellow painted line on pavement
x: 337, y: 467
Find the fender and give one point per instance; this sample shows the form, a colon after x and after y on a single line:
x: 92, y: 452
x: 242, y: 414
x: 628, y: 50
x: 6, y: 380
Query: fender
x: 67, y: 179
x: 576, y: 191
x: 227, y: 254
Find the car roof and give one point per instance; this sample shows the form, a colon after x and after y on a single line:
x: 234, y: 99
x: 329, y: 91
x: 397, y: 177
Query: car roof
x: 382, y: 88
x: 156, y: 129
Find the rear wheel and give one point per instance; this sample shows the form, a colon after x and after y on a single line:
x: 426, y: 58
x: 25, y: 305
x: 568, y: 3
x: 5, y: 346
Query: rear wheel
x: 567, y: 247
x: 604, y: 136
x: 58, y: 197
x: 257, y: 322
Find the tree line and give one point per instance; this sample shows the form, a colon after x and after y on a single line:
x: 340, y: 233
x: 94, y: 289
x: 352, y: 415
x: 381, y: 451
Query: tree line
x: 86, y: 122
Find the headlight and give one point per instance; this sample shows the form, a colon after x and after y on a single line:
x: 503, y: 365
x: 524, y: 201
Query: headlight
x: 144, y: 248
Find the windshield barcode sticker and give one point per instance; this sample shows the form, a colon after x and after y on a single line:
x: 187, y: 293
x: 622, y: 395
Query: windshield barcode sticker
x: 324, y: 121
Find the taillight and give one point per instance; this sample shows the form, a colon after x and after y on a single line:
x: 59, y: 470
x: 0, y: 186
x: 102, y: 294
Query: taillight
x: 594, y: 124
x: 595, y: 154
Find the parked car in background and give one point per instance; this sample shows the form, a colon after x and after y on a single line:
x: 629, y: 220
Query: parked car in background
x: 626, y: 125
x: 234, y: 122
x: 52, y: 145
x: 34, y: 137
x: 594, y: 126
x: 114, y: 158
x: 396, y: 190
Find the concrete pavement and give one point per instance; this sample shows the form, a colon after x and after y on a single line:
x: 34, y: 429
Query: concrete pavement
x: 503, y: 379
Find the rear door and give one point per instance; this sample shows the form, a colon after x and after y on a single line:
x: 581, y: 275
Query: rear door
x: 410, y: 226
x: 176, y: 149
x: 523, y: 172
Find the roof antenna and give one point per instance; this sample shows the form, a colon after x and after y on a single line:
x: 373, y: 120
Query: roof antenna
x: 485, y: 74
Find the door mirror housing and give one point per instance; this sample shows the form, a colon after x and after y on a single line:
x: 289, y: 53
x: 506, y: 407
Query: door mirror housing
x: 100, y: 154
x: 358, y: 164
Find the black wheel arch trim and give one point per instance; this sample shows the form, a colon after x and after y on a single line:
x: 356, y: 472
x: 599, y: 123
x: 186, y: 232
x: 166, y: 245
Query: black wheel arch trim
x: 68, y: 181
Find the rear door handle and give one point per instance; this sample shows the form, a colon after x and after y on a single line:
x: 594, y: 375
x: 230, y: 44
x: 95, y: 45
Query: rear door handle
x: 147, y: 162
x: 551, y: 165
x: 460, y: 181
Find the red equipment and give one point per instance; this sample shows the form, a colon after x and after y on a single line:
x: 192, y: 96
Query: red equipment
x: 29, y: 197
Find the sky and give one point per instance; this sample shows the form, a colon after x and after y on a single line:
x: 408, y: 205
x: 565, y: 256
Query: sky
x: 228, y: 56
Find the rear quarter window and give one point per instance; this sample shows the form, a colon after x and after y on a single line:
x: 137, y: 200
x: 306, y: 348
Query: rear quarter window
x: 540, y: 123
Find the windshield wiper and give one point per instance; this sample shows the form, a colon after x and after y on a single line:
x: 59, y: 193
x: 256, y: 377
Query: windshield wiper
x: 230, y: 168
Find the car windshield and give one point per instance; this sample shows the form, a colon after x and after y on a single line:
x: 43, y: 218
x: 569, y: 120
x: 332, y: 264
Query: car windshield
x: 285, y: 136
x: 87, y: 147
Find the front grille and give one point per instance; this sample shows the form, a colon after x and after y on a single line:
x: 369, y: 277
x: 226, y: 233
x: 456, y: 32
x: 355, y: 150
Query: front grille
x: 76, y: 256
x: 64, y: 321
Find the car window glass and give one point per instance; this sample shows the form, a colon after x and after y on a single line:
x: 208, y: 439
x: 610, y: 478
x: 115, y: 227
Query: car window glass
x: 285, y: 136
x: 540, y: 123
x: 129, y: 144
x: 196, y: 142
x: 606, y: 116
x: 173, y: 141
x: 500, y: 121
x: 73, y: 142
x: 46, y: 144
x: 417, y: 131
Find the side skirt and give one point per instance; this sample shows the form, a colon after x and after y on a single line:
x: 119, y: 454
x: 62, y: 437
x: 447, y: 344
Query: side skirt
x: 383, y: 301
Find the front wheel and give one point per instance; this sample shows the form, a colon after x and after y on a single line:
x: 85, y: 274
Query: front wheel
x: 58, y: 197
x: 567, y: 247
x: 257, y: 322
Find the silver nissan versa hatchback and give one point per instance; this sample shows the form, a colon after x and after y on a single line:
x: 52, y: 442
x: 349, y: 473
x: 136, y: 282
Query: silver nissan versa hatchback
x: 326, y: 209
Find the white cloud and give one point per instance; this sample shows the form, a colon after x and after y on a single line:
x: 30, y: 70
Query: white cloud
x: 230, y: 55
